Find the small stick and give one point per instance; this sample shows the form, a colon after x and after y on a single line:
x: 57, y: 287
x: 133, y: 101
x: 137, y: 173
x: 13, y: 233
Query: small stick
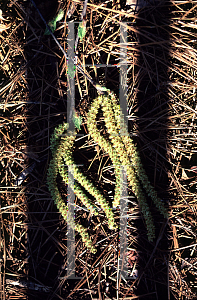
x: 79, y: 68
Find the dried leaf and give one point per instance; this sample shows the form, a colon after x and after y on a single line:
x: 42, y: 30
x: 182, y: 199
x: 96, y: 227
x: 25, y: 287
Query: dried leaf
x: 184, y: 175
x: 3, y: 27
x: 1, y: 18
x: 194, y: 169
x: 71, y: 10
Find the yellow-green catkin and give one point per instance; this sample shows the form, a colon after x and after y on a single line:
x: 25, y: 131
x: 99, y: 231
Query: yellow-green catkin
x: 55, y: 194
x: 65, y: 159
x: 95, y: 134
x: 99, y: 197
x: 135, y: 157
x: 121, y: 150
x: 66, y: 148
x: 85, y: 238
x: 59, y: 143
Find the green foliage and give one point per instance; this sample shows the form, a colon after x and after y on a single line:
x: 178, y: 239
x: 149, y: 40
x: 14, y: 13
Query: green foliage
x: 101, y: 89
x: 77, y: 121
x: 82, y: 30
x: 52, y: 24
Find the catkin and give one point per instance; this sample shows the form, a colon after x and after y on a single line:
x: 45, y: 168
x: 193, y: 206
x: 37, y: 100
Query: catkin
x: 94, y: 132
x: 135, y: 157
x: 61, y: 146
x: 132, y: 178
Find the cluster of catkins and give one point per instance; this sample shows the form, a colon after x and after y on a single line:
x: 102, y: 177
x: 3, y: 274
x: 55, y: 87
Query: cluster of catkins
x: 122, y: 152
x: 62, y: 142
